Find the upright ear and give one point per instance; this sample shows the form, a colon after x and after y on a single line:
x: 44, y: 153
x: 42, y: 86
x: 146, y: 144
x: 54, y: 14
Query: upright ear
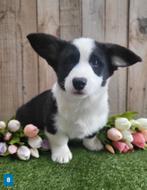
x: 47, y: 46
x: 121, y: 56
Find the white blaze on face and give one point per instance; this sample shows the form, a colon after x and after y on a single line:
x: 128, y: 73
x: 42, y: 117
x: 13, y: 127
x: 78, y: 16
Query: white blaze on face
x: 83, y: 69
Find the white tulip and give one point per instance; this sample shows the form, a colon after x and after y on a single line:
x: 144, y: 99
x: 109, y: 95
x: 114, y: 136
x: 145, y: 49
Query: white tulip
x: 129, y: 144
x: 122, y: 123
x: 3, y: 148
x: 135, y: 123
x: 34, y: 152
x: 23, y: 153
x: 2, y: 125
x: 127, y: 136
x: 143, y: 123
x: 35, y: 142
x: 13, y: 125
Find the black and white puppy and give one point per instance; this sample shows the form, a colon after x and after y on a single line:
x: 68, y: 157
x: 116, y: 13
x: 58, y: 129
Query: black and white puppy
x: 77, y: 105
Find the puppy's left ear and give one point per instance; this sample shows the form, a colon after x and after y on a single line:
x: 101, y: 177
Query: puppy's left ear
x: 121, y: 56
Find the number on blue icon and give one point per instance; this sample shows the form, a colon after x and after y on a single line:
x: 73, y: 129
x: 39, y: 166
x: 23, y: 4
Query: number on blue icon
x: 8, y: 180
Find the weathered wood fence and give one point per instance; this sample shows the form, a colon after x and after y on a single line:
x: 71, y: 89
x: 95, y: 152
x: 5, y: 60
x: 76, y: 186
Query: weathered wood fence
x: 23, y: 74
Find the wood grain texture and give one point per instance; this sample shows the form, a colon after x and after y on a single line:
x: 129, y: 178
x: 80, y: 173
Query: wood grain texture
x: 19, y: 67
x: 10, y: 61
x: 137, y: 84
x: 93, y: 19
x: 70, y: 19
x: 116, y: 32
x: 23, y: 74
x: 26, y: 23
x: 48, y: 22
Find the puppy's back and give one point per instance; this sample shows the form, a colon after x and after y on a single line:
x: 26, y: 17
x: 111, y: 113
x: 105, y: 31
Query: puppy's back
x: 36, y: 110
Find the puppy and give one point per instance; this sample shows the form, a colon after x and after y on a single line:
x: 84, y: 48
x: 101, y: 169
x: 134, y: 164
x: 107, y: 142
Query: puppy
x: 77, y: 105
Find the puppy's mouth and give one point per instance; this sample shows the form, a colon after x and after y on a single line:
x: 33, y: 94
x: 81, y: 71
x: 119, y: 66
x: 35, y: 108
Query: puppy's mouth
x: 78, y: 93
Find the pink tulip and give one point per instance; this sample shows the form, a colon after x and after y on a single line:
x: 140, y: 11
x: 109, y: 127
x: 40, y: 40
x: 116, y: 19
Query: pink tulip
x: 122, y: 147
x: 7, y: 136
x: 31, y: 130
x: 12, y: 149
x: 144, y: 132
x: 138, y: 140
x: 114, y: 134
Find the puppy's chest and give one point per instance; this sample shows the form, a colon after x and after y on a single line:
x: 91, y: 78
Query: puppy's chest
x: 79, y: 122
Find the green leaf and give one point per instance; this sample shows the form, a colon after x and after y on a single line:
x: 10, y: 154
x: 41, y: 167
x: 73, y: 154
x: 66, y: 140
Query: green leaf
x: 102, y: 135
x: 129, y: 115
x: 2, y: 132
x: 15, y: 140
x: 6, y: 154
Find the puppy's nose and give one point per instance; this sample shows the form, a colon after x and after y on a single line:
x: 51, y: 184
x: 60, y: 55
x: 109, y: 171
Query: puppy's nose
x: 79, y: 83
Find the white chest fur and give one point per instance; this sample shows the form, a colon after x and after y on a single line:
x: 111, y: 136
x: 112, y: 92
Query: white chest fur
x: 79, y: 117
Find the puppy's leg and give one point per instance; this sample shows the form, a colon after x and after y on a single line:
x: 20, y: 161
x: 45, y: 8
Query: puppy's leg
x: 59, y: 148
x: 92, y: 143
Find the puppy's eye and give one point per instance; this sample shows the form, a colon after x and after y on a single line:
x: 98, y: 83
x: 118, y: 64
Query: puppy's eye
x: 94, y: 61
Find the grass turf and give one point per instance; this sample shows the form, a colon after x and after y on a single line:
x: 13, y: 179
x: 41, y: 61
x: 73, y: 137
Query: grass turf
x: 86, y: 171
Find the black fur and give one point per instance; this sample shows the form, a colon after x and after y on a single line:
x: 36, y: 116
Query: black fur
x: 40, y: 111
x: 63, y: 56
x: 101, y: 59
x: 68, y: 58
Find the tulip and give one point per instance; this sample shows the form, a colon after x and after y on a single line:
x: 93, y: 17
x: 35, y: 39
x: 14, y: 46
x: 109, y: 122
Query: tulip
x: 122, y: 147
x: 144, y: 132
x: 110, y: 148
x: 114, y: 134
x: 34, y: 152
x: 31, y: 130
x: 7, y: 136
x: 23, y: 153
x: 13, y: 125
x: 129, y: 145
x: 3, y: 148
x: 45, y: 144
x: 12, y: 149
x: 138, y: 140
x: 122, y: 123
x: 35, y: 142
x: 2, y: 125
x: 127, y: 136
x: 143, y: 124
x: 134, y: 123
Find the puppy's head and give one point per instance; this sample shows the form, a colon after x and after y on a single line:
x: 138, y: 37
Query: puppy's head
x: 82, y: 65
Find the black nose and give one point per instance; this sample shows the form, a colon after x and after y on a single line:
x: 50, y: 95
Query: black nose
x: 79, y: 83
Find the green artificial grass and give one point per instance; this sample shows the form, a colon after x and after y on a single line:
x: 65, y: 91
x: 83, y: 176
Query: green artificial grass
x: 87, y: 171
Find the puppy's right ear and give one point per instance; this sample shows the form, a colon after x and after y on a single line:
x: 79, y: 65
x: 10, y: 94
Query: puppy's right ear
x: 47, y: 46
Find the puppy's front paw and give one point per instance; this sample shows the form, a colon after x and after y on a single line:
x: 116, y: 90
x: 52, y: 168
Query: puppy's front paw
x: 61, y: 154
x: 93, y: 144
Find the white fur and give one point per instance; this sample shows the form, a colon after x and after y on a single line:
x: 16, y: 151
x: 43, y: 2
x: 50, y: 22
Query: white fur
x: 83, y: 68
x: 79, y: 116
x: 85, y: 46
x: 117, y: 61
x: 93, y: 144
x: 59, y: 149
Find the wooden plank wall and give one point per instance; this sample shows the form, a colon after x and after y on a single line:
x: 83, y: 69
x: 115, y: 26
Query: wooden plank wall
x: 23, y: 74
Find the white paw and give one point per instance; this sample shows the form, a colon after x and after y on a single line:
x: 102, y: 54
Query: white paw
x: 61, y: 154
x: 93, y: 144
